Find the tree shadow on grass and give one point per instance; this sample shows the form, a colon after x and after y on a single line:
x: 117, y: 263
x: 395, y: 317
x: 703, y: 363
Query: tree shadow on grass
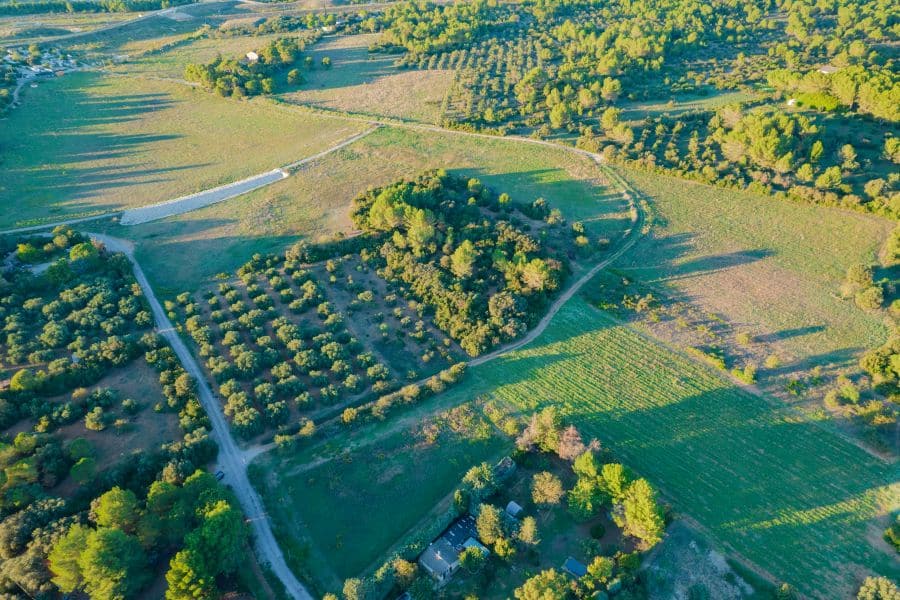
x: 73, y: 184
x: 599, y: 206
x: 777, y: 336
x: 666, y: 261
x: 784, y: 492
x: 350, y: 67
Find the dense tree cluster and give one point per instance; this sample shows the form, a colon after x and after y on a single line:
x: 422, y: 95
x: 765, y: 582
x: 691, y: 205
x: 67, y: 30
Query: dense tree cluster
x: 66, y: 327
x: 483, y: 266
x: 239, y: 77
x: 634, y: 502
x: 71, y: 324
x: 557, y: 66
x: 803, y: 156
x: 112, y: 555
x: 554, y: 61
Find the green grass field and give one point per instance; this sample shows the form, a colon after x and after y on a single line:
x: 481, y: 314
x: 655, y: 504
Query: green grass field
x: 133, y: 142
x: 339, y: 518
x: 24, y: 29
x: 769, y: 266
x: 151, y: 31
x: 796, y: 500
x: 367, y: 83
x: 315, y: 202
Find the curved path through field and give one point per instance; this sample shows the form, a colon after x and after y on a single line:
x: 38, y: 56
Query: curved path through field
x: 234, y: 461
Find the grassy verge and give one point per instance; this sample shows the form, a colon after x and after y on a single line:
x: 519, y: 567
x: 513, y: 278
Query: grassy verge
x: 770, y: 266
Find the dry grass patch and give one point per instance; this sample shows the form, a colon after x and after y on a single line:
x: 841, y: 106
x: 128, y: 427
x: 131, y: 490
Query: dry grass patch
x: 369, y: 83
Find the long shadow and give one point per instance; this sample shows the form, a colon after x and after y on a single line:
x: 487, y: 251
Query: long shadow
x: 784, y: 334
x: 599, y: 206
x: 88, y: 182
x: 666, y: 261
x: 791, y: 496
x: 86, y: 147
x: 61, y: 155
x: 830, y: 363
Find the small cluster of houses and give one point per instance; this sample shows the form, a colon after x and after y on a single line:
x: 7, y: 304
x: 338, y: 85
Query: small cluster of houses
x: 441, y: 558
x: 49, y: 63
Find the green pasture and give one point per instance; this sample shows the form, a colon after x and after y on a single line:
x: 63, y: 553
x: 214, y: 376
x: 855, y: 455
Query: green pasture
x: 88, y: 143
x: 771, y: 267
x: 339, y: 518
x: 315, y: 202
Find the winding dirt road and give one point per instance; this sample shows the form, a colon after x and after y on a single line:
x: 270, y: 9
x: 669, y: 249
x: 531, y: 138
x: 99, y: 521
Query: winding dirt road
x: 231, y: 459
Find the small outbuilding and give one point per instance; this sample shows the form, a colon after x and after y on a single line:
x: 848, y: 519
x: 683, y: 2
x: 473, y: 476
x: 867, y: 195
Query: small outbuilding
x: 574, y: 568
x: 513, y: 509
x: 473, y: 543
x: 252, y: 57
x: 505, y: 468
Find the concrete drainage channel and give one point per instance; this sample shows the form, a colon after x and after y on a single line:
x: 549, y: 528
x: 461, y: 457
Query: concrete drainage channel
x: 185, y: 204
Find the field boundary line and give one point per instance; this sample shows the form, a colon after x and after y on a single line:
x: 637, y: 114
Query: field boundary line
x: 350, y: 140
x: 52, y: 224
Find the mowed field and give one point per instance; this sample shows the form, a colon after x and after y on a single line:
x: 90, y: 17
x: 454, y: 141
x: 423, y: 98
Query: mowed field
x: 315, y: 202
x: 341, y: 517
x: 132, y: 142
x: 802, y: 504
x: 770, y: 267
x: 369, y: 83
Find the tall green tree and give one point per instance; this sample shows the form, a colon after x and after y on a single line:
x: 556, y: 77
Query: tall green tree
x: 64, y: 557
x: 116, y: 508
x: 113, y: 565
x: 188, y: 578
x: 643, y: 515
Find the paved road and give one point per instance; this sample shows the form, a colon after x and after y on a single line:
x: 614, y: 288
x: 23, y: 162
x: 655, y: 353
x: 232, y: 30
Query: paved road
x: 230, y: 460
